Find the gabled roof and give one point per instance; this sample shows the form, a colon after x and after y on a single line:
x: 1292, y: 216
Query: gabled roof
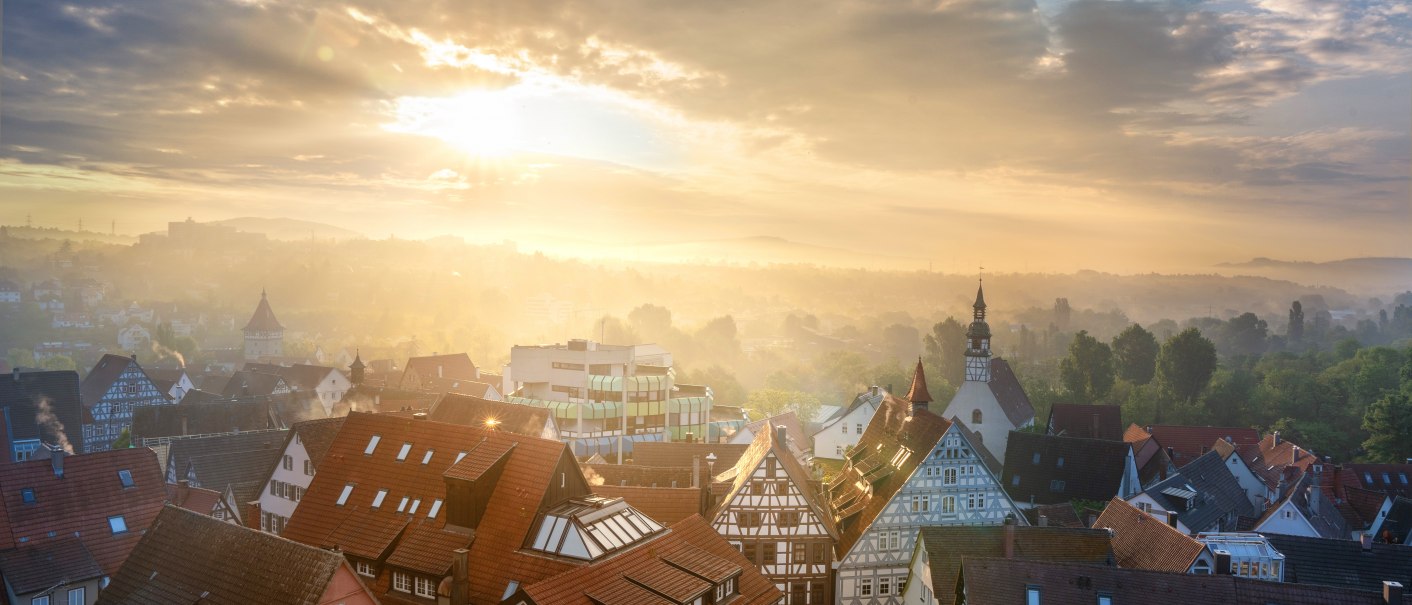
x: 299, y: 376
x: 1188, y: 442
x: 189, y: 558
x: 1089, y: 421
x: 469, y: 410
x: 991, y: 463
x: 1275, y: 460
x: 680, y: 453
x: 35, y: 567
x: 1398, y: 522
x: 1152, y: 461
x: 1393, y: 479
x: 768, y: 443
x: 1055, y: 515
x: 195, y: 499
x: 24, y: 394
x: 873, y: 396
x: 456, y: 365
x: 152, y: 421
x: 1342, y: 563
x: 101, y: 378
x: 427, y: 547
x: 1046, y: 469
x: 81, y: 501
x: 317, y: 436
x: 1216, y: 493
x: 1009, y: 393
x: 790, y: 421
x: 237, y: 460
x: 664, y: 505
x: 263, y: 320
x: 1140, y: 541
x: 685, y: 562
x: 947, y: 546
x: 253, y: 383
x: 890, y: 450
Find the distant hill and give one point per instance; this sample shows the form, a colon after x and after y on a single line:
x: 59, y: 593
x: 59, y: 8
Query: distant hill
x: 288, y: 228
x: 1367, y: 276
x: 23, y: 232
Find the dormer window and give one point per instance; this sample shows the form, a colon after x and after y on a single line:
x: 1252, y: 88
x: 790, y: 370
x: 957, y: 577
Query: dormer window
x: 402, y: 453
x: 725, y: 589
x: 372, y: 445
x: 125, y: 477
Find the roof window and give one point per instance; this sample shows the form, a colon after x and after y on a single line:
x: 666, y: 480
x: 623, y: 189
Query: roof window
x: 372, y: 445
x: 343, y: 497
x: 377, y: 500
x: 27, y: 495
x: 426, y: 458
x: 125, y: 476
x: 118, y: 524
x: 435, y: 508
x: 402, y: 453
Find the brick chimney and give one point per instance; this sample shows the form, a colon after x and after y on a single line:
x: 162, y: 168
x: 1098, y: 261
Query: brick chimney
x: 1223, y: 563
x: 1010, y: 536
x: 1392, y: 593
x: 460, y: 577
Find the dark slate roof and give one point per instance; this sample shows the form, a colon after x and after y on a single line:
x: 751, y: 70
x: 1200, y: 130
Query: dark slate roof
x: 263, y: 320
x: 1047, y: 469
x: 683, y: 562
x: 35, y: 567
x: 1141, y: 541
x: 1009, y: 393
x: 1089, y: 421
x: 152, y: 421
x: 82, y: 501
x: 317, y: 436
x: 189, y: 558
x: 252, y: 383
x: 947, y: 546
x: 1188, y: 442
x: 869, y: 479
x: 1217, y: 494
x: 101, y: 378
x: 300, y: 376
x: 1343, y: 563
x: 679, y: 453
x: 1007, y: 580
x: 469, y: 410
x: 223, y: 461
x: 1398, y: 522
x: 22, y: 396
x: 1394, y: 479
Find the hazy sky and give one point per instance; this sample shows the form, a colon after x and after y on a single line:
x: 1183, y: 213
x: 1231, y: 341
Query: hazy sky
x: 1115, y: 135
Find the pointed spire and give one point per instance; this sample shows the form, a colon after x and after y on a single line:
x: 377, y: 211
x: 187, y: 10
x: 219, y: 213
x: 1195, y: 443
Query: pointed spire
x: 980, y: 295
x: 918, y: 395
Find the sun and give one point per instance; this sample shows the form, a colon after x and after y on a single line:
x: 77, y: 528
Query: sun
x: 483, y: 123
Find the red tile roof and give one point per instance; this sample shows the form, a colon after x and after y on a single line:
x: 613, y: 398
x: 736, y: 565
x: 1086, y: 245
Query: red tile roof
x: 456, y: 365
x: 39, y: 566
x: 918, y: 393
x: 1188, y: 442
x: 686, y: 561
x: 82, y: 501
x: 1141, y: 541
x: 263, y: 320
x: 427, y: 548
x: 665, y: 505
x: 457, y: 408
x: 194, y: 499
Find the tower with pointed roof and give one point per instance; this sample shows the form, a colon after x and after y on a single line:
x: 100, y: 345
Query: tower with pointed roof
x: 356, y: 369
x: 918, y: 394
x: 978, y: 341
x: 264, y: 336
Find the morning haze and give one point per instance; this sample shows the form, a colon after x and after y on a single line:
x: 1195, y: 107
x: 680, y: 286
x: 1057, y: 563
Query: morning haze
x: 761, y: 302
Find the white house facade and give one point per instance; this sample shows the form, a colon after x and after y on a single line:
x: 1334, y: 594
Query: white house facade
x: 842, y: 432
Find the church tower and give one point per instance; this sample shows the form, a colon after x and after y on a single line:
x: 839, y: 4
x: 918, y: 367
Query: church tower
x: 357, y: 370
x: 264, y: 337
x: 978, y: 342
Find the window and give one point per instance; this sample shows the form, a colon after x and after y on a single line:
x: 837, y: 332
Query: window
x: 117, y: 523
x: 1145, y: 507
x: 44, y: 600
x: 1059, y: 463
x: 274, y: 487
x: 1056, y: 485
x: 975, y: 416
x: 435, y: 508
x: 76, y: 596
x: 401, y: 582
x: 949, y: 477
x: 1015, y: 480
x: 401, y: 506
x: 377, y: 500
x: 1368, y: 478
x: 288, y: 462
x: 426, y: 588
x: 890, y: 539
x: 844, y: 426
x: 884, y: 586
x: 308, y: 468
x: 415, y: 503
x: 787, y: 519
x: 1035, y: 458
x: 1031, y: 595
x: 1104, y: 599
x: 27, y: 495
x: 768, y: 553
x: 372, y: 445
x: 948, y: 504
x: 860, y: 428
x: 865, y: 587
x: 125, y: 477
x: 559, y: 365
x: 921, y: 503
x: 1402, y: 477
x: 364, y: 568
x: 459, y: 456
x: 747, y: 519
x: 402, y: 453
x: 426, y: 458
x: 1386, y: 479
x: 725, y: 589
x: 800, y: 552
x: 980, y: 501
x: 343, y: 497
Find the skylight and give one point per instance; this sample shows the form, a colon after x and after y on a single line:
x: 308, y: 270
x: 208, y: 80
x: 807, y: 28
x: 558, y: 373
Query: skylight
x: 587, y: 528
x: 426, y: 458
x: 27, y: 495
x: 372, y: 445
x: 415, y: 503
x: 401, y: 506
x: 343, y: 497
x: 125, y: 476
x: 377, y: 500
x: 459, y: 457
x: 435, y: 508
x: 402, y: 453
x: 117, y: 523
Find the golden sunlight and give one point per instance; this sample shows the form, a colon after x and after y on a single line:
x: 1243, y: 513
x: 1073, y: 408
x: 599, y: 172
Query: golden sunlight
x: 484, y: 123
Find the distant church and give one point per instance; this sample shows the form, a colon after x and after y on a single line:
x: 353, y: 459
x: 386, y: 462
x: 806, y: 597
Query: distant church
x: 991, y: 401
x: 264, y: 337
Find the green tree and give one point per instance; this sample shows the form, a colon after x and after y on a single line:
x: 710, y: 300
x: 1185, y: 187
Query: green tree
x: 1185, y: 365
x: 1246, y: 334
x: 1296, y: 322
x: 58, y: 362
x: 725, y: 388
x: 945, y: 351
x: 20, y: 358
x: 1388, y: 423
x: 1135, y: 354
x: 123, y: 441
x: 1087, y: 373
x: 771, y: 402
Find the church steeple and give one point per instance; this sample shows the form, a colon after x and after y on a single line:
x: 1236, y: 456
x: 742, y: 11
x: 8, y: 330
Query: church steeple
x: 978, y: 341
x: 918, y: 395
x: 356, y: 369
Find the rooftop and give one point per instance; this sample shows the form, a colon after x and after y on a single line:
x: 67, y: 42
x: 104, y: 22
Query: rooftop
x: 947, y: 546
x: 1047, y: 469
x: 1140, y: 541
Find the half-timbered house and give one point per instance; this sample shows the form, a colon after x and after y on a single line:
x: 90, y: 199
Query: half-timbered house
x: 775, y: 517
x: 911, y: 469
x: 114, y: 386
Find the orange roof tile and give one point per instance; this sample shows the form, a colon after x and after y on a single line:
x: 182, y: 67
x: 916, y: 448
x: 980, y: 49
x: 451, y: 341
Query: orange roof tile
x: 1141, y: 541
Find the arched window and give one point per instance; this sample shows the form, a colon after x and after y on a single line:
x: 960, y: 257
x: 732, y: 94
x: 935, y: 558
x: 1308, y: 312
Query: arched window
x: 975, y: 416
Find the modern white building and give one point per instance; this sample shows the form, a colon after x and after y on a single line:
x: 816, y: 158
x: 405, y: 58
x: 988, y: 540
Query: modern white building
x: 841, y: 433
x: 601, y: 394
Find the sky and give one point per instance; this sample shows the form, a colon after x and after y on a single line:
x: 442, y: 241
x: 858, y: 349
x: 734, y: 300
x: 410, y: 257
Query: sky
x: 1115, y: 135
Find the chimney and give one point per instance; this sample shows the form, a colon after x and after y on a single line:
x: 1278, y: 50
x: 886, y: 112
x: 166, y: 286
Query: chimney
x: 56, y: 459
x: 15, y: 373
x: 184, y: 431
x: 439, y: 373
x: 1010, y: 536
x: 1277, y: 438
x: 1392, y: 593
x: 460, y: 577
x: 696, y: 471
x: 690, y: 437
x: 183, y: 488
x: 873, y: 390
x: 1223, y: 563
x: 1172, y: 518
x: 1367, y: 542
x: 781, y: 436
x: 1043, y: 521
x: 1095, y: 427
